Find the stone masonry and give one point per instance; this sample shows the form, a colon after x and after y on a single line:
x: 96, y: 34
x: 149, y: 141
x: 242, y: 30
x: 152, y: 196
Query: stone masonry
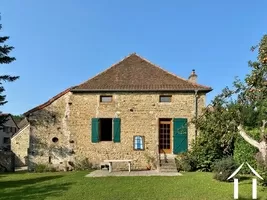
x: 20, y: 145
x: 61, y: 132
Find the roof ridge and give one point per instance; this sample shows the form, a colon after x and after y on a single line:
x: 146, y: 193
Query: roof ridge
x: 113, y: 65
x: 195, y: 84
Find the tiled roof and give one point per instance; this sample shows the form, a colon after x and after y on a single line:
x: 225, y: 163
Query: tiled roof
x: 135, y: 73
x: 4, y: 118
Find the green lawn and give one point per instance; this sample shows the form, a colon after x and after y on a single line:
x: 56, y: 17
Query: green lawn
x: 74, y: 186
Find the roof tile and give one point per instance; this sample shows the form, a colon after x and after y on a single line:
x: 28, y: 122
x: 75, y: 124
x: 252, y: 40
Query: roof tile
x: 135, y: 73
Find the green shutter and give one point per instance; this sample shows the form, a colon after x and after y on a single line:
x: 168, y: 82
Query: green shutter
x: 117, y: 129
x: 95, y: 130
x: 180, y: 136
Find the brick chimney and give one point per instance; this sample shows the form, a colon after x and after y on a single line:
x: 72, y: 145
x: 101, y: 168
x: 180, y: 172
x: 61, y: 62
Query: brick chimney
x: 193, y: 77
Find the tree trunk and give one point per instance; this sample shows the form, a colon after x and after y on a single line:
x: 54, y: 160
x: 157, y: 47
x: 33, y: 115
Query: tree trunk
x: 263, y: 151
x: 261, y: 146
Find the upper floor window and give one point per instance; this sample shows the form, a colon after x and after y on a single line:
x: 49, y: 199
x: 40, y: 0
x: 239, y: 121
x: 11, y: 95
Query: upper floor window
x: 106, y: 99
x: 165, y: 98
x: 8, y: 129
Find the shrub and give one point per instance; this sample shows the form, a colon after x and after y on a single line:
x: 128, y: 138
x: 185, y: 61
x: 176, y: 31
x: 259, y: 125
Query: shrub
x: 82, y: 164
x: 245, y: 152
x: 224, y: 168
x: 40, y: 168
x: 262, y: 170
x: 206, y: 153
x: 186, y: 162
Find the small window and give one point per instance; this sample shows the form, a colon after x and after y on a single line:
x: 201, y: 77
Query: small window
x: 105, y: 99
x: 6, y: 140
x: 105, y: 131
x: 139, y: 142
x: 165, y: 98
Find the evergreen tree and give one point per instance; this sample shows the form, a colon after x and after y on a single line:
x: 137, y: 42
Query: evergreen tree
x: 5, y: 59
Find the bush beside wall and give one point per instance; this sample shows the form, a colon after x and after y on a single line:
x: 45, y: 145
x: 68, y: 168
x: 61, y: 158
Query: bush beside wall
x: 245, y: 152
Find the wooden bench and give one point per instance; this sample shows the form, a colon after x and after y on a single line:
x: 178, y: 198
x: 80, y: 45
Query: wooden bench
x: 117, y: 161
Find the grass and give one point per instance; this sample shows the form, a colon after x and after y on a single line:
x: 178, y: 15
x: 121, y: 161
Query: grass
x: 74, y: 185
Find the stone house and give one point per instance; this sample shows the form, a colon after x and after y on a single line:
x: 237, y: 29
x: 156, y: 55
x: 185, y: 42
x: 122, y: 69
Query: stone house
x: 7, y: 130
x: 20, y: 143
x: 132, y: 110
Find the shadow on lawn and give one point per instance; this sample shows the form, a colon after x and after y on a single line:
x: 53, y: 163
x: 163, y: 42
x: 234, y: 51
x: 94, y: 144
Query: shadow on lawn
x: 34, y: 189
x: 19, y: 183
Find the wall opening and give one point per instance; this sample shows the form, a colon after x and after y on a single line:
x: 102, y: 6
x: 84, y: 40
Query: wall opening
x: 105, y: 129
x: 55, y: 139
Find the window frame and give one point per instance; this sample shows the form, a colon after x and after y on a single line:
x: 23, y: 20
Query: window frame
x: 160, y: 96
x: 143, y: 142
x: 100, y: 99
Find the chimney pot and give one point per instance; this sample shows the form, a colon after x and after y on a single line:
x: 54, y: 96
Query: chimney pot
x: 193, y: 77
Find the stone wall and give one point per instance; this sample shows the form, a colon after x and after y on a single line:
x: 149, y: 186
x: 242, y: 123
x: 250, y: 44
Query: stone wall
x: 50, y: 140
x: 69, y: 120
x: 7, y: 161
x: 20, y: 145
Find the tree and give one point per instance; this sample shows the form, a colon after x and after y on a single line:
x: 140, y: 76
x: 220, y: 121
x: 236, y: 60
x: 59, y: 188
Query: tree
x: 5, y: 59
x: 247, y: 111
x: 17, y: 118
x: 253, y: 94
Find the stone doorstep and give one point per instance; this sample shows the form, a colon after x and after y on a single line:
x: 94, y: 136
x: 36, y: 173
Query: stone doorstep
x: 168, y: 156
x: 168, y: 167
x: 169, y: 161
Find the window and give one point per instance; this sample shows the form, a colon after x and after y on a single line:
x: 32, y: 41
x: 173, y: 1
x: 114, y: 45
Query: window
x: 6, y: 140
x: 7, y: 129
x: 139, y: 142
x: 105, y: 129
x: 105, y: 99
x: 165, y: 98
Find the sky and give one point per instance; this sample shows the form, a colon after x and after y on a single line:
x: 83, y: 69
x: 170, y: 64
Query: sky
x: 59, y: 44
